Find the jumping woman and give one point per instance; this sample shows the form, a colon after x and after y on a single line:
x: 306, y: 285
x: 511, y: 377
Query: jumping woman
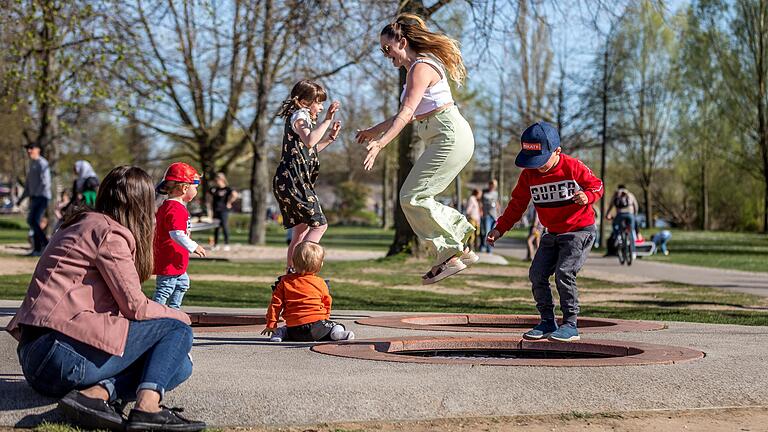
x: 431, y: 58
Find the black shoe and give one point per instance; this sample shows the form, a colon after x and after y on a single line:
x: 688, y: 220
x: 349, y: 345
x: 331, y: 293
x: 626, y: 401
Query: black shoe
x: 167, y: 419
x: 91, y: 413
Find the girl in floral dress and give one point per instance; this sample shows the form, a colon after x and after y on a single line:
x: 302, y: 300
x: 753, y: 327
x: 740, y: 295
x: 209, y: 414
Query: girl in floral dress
x: 294, y: 181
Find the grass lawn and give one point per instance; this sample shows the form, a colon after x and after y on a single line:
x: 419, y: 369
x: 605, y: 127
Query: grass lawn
x: 728, y: 250
x: 392, y: 284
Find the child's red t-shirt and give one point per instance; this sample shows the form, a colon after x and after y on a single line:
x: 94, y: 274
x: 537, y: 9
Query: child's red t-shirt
x: 171, y: 259
x: 552, y: 193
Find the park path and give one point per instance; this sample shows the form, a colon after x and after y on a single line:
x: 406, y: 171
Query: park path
x: 608, y: 268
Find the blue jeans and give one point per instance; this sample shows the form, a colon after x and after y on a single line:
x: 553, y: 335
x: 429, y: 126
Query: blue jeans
x: 486, y: 225
x: 171, y: 289
x: 156, y: 357
x: 618, y: 223
x: 661, y: 240
x: 37, y: 206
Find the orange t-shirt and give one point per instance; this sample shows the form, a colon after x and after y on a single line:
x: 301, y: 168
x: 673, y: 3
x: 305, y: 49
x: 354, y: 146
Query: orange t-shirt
x: 301, y: 298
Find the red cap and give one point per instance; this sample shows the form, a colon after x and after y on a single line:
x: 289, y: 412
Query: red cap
x: 181, y: 172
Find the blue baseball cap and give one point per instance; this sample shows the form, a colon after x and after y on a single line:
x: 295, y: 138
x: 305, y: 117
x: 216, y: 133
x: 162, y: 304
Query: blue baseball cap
x: 537, y: 143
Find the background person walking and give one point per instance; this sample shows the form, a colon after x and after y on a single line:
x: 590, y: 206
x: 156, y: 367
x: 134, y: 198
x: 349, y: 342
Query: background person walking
x: 38, y: 188
x: 222, y: 198
x: 490, y: 200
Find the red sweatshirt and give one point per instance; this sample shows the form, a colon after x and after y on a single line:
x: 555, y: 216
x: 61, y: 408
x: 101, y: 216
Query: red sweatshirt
x: 552, y: 194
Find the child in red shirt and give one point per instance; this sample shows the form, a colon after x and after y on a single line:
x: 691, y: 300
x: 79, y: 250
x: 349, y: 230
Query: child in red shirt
x: 172, y: 244
x: 562, y: 189
x: 304, y: 301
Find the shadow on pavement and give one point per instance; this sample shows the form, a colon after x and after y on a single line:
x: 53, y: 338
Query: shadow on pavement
x: 18, y: 395
x: 215, y: 341
x: 8, y: 311
x: 32, y: 420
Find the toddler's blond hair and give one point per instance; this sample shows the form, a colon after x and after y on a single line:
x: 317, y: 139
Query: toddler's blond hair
x: 308, y: 257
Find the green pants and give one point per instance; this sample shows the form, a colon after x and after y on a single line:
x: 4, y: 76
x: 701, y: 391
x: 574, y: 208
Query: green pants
x: 449, y: 145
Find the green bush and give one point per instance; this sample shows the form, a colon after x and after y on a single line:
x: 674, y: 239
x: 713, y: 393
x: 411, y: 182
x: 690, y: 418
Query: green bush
x: 13, y: 223
x: 350, y: 209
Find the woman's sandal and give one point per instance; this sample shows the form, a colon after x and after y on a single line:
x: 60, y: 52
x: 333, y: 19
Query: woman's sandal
x: 449, y: 267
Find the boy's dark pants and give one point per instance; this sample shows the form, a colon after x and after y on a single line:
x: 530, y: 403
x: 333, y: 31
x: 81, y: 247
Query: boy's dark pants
x: 562, y: 255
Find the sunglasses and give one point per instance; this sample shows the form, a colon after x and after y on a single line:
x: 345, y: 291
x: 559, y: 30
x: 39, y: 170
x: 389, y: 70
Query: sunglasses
x: 196, y: 182
x: 385, y: 49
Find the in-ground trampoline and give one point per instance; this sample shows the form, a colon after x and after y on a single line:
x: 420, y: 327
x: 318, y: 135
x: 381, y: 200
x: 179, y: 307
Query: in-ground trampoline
x: 509, y: 351
x: 487, y: 323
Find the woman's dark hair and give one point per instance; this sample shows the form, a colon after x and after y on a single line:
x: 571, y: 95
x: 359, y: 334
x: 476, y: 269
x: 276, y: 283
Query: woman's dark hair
x: 127, y: 195
x: 305, y: 91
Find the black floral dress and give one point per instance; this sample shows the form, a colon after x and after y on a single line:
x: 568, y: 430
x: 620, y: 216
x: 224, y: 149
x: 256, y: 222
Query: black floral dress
x: 294, y: 181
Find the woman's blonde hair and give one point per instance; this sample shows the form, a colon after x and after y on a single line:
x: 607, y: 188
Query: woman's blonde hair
x: 415, y: 31
x: 308, y: 257
x: 305, y: 91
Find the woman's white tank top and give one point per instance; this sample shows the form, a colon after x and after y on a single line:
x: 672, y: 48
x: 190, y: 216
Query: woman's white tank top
x: 437, y: 95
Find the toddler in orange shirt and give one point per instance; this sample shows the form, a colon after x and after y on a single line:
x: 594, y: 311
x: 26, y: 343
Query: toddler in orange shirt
x: 302, y: 298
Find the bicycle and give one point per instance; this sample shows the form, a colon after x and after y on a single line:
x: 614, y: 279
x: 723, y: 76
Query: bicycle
x: 624, y: 243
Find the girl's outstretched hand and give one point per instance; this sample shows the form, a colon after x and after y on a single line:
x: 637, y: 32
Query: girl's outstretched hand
x: 364, y: 135
x: 374, y: 147
x: 335, y: 105
x: 335, y: 128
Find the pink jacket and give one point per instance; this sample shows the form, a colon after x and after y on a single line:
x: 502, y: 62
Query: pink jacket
x: 87, y: 287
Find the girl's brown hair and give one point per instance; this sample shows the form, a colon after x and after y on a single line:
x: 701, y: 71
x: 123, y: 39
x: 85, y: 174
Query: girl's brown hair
x: 305, y: 91
x: 127, y: 195
x: 415, y: 31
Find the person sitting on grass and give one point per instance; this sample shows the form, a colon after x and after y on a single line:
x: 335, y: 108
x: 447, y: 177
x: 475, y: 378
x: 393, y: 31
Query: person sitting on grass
x: 303, y: 300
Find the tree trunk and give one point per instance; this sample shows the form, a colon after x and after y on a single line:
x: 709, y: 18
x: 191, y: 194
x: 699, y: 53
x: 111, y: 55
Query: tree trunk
x: 384, y: 208
x: 761, y: 108
x: 704, y: 192
x: 603, y: 144
x: 260, y: 184
x: 405, y: 239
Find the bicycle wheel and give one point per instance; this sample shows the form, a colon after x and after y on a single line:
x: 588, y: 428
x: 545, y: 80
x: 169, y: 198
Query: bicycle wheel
x: 620, y: 250
x: 628, y: 251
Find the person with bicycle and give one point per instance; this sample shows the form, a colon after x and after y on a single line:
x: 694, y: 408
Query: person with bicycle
x: 625, y: 204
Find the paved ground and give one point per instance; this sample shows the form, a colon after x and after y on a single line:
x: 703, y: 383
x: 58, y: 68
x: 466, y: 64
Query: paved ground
x: 608, y: 268
x: 242, y: 379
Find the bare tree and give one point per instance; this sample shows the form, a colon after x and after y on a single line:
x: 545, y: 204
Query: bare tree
x: 738, y: 34
x: 647, y: 75
x: 188, y: 69
x: 55, y: 53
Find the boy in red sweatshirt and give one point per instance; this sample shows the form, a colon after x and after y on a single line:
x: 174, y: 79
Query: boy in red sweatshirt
x: 563, y: 190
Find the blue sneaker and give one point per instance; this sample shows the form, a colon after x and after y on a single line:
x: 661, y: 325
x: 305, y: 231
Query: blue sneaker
x: 566, y: 333
x: 542, y: 330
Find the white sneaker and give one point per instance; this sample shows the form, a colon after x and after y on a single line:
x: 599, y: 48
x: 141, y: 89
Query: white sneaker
x: 350, y: 335
x: 226, y: 248
x: 278, y: 335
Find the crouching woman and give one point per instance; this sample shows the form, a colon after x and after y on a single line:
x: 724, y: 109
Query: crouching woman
x: 86, y: 331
